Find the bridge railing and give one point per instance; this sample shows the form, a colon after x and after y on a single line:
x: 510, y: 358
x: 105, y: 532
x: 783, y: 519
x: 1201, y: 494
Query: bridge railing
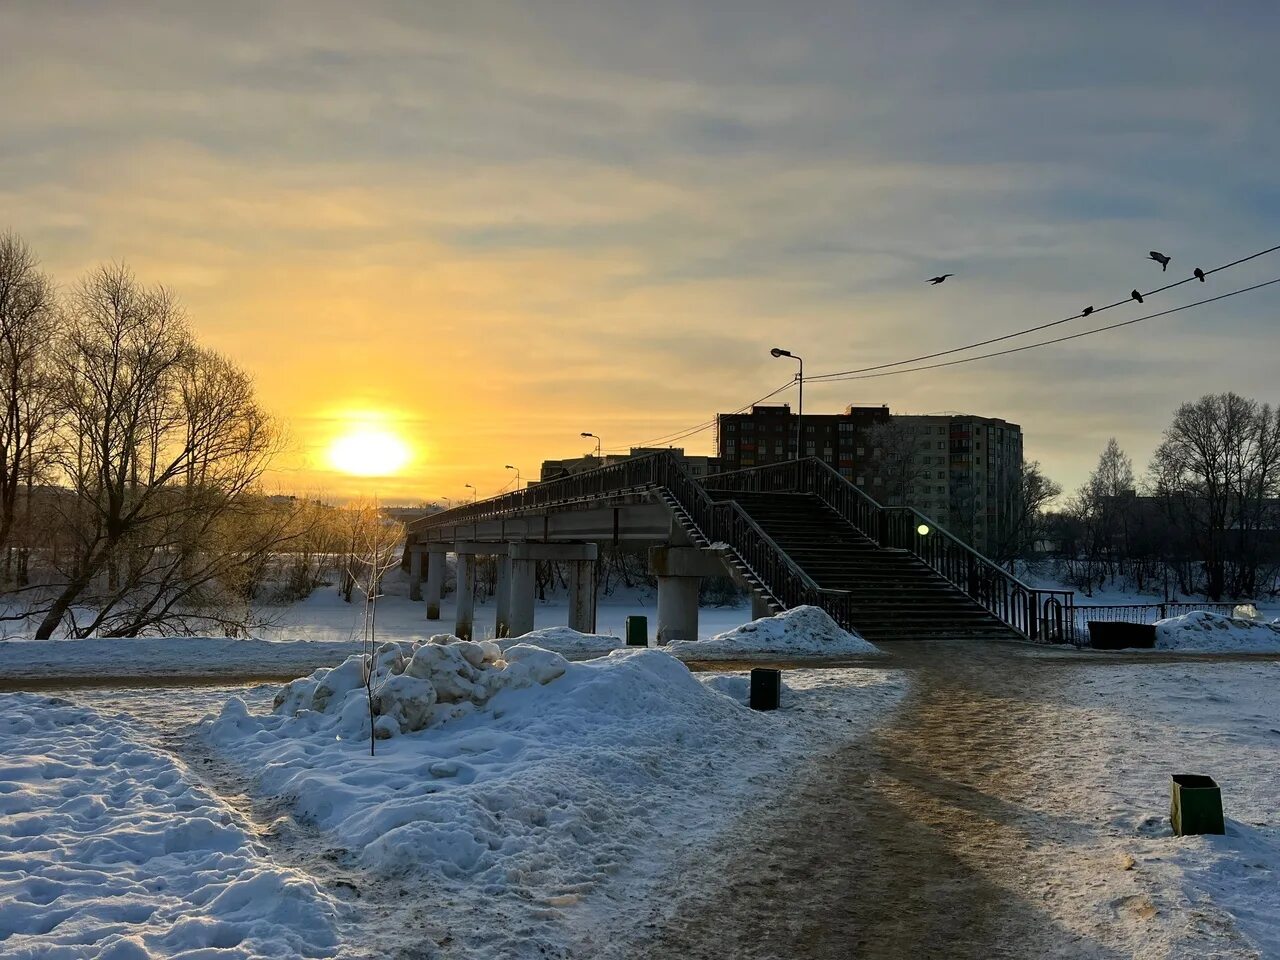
x: 719, y: 521
x: 1042, y: 615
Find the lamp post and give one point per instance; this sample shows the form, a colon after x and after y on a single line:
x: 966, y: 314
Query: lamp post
x: 597, y: 440
x: 475, y: 494
x: 517, y: 470
x: 779, y: 352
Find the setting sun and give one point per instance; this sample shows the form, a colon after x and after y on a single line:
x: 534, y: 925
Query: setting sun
x: 369, y: 452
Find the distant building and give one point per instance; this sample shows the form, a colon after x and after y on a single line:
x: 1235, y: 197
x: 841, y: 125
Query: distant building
x: 966, y: 474
x: 768, y: 435
x: 697, y: 465
x: 961, y: 470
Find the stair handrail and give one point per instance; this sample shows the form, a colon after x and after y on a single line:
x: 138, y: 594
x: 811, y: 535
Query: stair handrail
x: 1035, y: 613
x: 719, y: 521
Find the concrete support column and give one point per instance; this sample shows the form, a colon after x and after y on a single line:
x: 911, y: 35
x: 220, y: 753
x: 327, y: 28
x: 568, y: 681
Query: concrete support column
x: 463, y: 622
x: 582, y: 596
x: 502, y: 596
x: 524, y: 574
x: 435, y: 578
x: 680, y: 571
x: 417, y: 558
x: 677, y: 609
x: 759, y: 607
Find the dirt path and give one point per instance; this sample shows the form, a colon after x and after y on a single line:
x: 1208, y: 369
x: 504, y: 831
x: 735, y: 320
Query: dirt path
x: 913, y: 843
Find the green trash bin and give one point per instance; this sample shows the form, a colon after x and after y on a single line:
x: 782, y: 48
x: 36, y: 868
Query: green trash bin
x: 637, y: 631
x: 1195, y: 805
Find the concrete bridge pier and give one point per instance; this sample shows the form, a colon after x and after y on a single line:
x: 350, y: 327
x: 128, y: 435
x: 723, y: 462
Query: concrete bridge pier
x: 502, y: 596
x: 582, y: 583
x: 680, y: 571
x: 582, y: 595
x: 524, y: 579
x: 435, y: 557
x: 417, y: 559
x: 759, y: 607
x: 464, y: 621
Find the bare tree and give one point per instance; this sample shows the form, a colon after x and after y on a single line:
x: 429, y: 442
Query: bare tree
x: 29, y: 326
x: 1026, y: 514
x: 1104, y: 510
x: 378, y: 552
x: 894, y: 459
x: 1218, y: 473
x: 165, y: 442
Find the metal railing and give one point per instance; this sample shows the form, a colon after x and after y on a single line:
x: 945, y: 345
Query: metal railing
x: 1137, y: 613
x: 1040, y: 615
x: 718, y: 521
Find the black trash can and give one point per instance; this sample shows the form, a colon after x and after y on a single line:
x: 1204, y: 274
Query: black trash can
x: 1115, y: 635
x: 766, y: 688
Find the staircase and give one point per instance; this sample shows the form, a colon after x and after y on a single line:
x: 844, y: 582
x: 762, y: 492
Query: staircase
x: 894, y: 595
x: 742, y: 574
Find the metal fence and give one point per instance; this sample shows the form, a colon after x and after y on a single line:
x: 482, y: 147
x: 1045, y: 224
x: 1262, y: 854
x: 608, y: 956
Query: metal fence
x: 1136, y: 613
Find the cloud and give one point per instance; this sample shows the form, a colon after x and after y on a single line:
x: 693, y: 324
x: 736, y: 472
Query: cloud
x: 504, y: 219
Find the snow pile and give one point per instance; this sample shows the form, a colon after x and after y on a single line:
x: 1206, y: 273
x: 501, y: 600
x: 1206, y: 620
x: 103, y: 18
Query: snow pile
x: 1212, y: 632
x: 799, y: 632
x: 414, y: 686
x: 514, y: 811
x: 134, y: 657
x: 108, y: 850
x: 568, y: 642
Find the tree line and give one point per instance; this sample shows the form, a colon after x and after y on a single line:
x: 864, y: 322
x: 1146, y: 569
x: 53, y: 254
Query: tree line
x: 1205, y: 518
x: 130, y: 465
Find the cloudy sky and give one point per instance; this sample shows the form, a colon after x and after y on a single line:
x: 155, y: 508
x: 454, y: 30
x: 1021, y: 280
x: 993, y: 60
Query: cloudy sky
x: 495, y: 225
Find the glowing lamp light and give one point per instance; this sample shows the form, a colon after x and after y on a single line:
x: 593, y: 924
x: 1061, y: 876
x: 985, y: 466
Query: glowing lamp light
x: 923, y: 529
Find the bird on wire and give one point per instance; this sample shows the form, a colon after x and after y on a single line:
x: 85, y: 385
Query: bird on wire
x: 1086, y: 311
x: 1161, y: 259
x: 1136, y: 295
x: 1199, y: 274
x: 937, y: 280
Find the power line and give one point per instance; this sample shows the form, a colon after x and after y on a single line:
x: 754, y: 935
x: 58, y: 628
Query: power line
x: 1044, y: 343
x: 697, y: 428
x: 843, y: 374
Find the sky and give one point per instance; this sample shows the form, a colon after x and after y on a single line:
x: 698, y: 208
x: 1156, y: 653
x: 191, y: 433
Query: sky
x: 489, y: 227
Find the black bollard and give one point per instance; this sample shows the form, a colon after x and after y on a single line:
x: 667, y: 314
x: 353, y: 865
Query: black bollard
x: 766, y: 688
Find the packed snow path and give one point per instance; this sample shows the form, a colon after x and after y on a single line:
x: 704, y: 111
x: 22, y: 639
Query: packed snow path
x: 944, y: 834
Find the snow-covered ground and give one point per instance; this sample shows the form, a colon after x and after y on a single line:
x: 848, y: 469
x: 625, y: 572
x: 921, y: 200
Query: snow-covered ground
x: 798, y: 633
x: 109, y: 850
x: 1177, y: 896
x: 1204, y: 632
x: 550, y: 803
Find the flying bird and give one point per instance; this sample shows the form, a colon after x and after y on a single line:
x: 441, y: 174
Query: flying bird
x: 1199, y: 274
x: 937, y: 280
x: 1136, y: 295
x: 1161, y: 259
x: 1086, y: 311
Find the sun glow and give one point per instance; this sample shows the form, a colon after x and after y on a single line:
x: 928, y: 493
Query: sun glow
x: 369, y: 451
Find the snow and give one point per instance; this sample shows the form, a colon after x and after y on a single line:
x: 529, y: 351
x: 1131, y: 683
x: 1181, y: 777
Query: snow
x: 109, y: 850
x: 793, y: 634
x: 142, y: 657
x: 569, y: 642
x: 1205, y: 632
x: 544, y: 800
x: 1179, y: 896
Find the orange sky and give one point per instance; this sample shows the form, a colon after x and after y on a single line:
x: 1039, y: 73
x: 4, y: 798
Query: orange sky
x: 495, y: 228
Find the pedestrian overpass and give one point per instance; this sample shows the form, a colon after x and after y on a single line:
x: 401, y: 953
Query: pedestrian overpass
x: 789, y: 533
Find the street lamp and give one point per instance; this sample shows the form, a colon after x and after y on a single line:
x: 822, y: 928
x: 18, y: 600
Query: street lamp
x: 597, y: 440
x: 517, y: 470
x: 475, y: 494
x: 779, y: 352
